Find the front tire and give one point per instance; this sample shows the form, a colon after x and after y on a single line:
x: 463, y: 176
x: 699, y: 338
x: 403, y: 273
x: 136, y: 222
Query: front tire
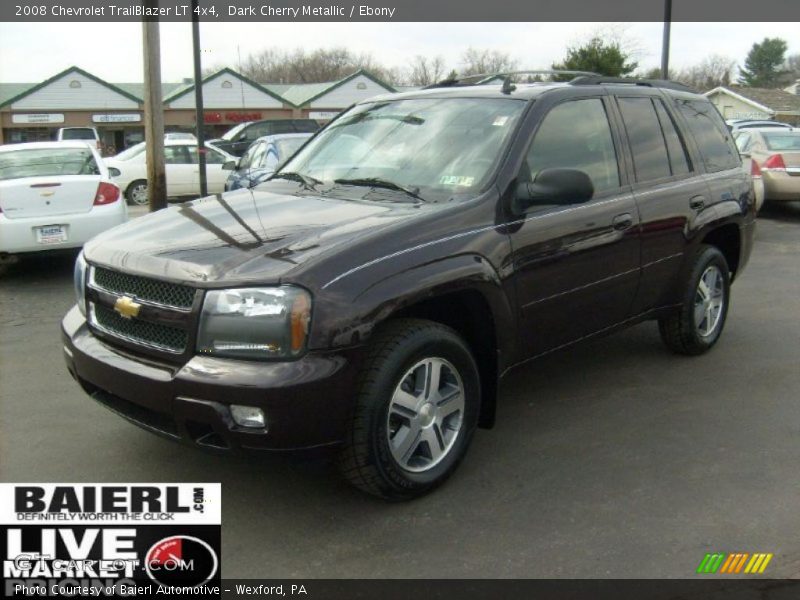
x: 697, y: 326
x: 137, y: 193
x: 416, y: 409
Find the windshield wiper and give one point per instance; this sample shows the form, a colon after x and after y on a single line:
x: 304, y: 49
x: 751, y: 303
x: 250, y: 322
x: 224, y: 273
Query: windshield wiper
x: 293, y: 176
x: 381, y: 183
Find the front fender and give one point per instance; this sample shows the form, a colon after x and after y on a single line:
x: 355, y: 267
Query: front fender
x: 349, y: 319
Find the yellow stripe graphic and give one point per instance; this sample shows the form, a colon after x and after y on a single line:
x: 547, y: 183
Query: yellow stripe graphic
x: 765, y: 563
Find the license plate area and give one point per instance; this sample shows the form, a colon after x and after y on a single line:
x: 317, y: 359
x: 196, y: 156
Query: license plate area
x: 51, y: 234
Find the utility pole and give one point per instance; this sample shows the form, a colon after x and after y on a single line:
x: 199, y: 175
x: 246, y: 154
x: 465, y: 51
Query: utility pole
x: 198, y: 100
x: 665, y: 40
x: 153, y: 113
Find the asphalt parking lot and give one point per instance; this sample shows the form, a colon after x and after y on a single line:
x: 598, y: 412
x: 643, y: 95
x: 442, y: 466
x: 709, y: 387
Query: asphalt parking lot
x: 615, y: 459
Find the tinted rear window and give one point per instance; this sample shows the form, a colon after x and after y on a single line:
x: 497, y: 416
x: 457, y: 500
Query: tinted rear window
x: 77, y: 134
x: 50, y: 162
x: 650, y: 158
x: 711, y: 134
x: 788, y: 142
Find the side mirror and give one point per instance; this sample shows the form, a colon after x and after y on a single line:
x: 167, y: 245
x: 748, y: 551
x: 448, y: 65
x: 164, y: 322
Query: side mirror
x: 745, y: 154
x: 230, y: 165
x: 555, y: 186
x: 113, y: 172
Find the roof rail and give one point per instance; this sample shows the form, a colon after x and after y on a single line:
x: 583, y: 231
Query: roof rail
x: 660, y: 83
x: 483, y: 78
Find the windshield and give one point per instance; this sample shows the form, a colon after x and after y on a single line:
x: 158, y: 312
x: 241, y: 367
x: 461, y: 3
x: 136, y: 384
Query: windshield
x: 232, y: 133
x: 78, y: 134
x: 49, y: 162
x: 131, y: 152
x: 437, y: 147
x: 787, y: 141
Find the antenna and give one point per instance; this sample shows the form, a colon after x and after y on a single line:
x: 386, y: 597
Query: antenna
x: 239, y: 69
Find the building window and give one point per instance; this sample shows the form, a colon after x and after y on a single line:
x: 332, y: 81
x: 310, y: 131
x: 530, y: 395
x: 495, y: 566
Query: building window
x: 227, y: 84
x: 361, y: 85
x: 75, y: 84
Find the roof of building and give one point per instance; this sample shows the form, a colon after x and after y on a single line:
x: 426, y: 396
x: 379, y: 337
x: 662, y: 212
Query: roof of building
x: 776, y: 100
x: 301, y: 94
x: 294, y: 94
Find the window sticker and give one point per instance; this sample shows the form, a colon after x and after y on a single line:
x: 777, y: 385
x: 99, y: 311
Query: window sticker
x: 500, y: 121
x: 457, y: 180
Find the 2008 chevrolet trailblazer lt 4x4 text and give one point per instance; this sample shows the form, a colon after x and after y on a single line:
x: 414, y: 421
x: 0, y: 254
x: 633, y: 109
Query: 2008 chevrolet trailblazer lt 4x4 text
x: 372, y: 293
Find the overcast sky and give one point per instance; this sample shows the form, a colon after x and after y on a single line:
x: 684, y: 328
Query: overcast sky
x: 31, y: 52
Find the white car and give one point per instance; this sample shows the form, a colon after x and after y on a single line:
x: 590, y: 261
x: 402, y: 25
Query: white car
x: 129, y: 170
x: 55, y: 195
x: 74, y: 134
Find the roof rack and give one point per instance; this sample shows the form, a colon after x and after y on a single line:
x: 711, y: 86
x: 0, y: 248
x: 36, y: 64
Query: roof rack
x: 484, y: 78
x: 660, y: 83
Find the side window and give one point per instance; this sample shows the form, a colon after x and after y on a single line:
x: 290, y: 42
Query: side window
x: 711, y: 134
x: 247, y: 159
x: 176, y: 155
x: 258, y: 156
x: 679, y: 160
x: 650, y: 158
x: 576, y: 135
x: 743, y: 140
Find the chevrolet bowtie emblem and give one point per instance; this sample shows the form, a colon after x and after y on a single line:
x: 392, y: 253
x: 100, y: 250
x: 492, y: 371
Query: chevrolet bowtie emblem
x: 126, y: 307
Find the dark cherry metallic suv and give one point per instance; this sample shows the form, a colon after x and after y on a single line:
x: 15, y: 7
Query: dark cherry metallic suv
x: 370, y: 296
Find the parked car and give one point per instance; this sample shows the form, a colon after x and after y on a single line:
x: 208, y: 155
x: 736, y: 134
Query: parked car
x: 370, y: 296
x: 54, y: 195
x: 129, y: 169
x: 751, y: 166
x: 775, y: 153
x: 262, y: 159
x: 87, y: 134
x: 737, y: 124
x: 238, y: 139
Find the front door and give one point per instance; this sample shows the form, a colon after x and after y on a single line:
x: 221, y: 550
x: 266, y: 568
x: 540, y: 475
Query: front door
x: 576, y: 266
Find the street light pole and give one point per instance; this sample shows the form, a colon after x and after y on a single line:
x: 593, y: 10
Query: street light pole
x: 665, y: 40
x: 198, y: 100
x: 153, y: 114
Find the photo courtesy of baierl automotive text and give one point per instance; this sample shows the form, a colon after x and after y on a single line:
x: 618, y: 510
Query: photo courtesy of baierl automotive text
x: 455, y: 299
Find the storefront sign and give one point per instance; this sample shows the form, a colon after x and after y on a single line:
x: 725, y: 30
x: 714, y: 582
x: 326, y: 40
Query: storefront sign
x: 235, y: 117
x: 129, y: 118
x: 39, y: 118
x: 322, y: 115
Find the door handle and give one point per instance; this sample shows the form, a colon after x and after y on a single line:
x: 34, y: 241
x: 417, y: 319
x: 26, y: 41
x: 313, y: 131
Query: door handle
x: 697, y: 202
x: 622, y: 222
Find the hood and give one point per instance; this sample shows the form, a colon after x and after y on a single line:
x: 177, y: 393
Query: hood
x: 245, y: 236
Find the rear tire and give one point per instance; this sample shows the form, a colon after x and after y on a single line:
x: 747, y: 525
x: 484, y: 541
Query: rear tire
x: 137, y: 193
x: 417, y: 405
x: 696, y: 327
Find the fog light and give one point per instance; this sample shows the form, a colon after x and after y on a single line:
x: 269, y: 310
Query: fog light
x: 248, y: 416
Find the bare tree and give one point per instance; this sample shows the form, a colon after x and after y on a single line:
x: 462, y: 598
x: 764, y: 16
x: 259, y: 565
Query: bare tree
x: 713, y: 71
x: 483, y: 60
x: 425, y: 71
x: 274, y: 65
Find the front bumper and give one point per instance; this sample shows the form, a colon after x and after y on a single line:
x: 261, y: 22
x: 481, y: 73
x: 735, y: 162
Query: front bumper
x: 308, y: 402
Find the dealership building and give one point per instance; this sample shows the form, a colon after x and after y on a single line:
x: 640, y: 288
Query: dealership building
x: 76, y: 98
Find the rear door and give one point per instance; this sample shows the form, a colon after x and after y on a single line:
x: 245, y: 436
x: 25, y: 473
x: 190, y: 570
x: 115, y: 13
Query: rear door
x: 48, y: 181
x: 668, y: 189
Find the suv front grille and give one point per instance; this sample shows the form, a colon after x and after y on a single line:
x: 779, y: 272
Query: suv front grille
x: 150, y: 290
x: 155, y: 335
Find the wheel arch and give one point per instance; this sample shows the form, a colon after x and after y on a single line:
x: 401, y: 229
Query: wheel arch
x: 463, y: 292
x: 727, y: 239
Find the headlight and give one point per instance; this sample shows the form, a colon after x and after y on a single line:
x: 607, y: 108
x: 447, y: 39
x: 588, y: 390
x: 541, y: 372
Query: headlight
x: 79, y: 281
x: 255, y: 322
